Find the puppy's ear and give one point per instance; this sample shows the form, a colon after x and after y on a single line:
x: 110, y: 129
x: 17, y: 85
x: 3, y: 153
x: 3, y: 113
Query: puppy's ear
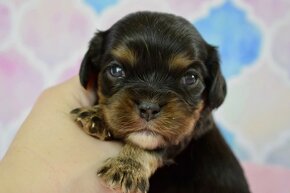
x: 90, y: 65
x: 216, y: 82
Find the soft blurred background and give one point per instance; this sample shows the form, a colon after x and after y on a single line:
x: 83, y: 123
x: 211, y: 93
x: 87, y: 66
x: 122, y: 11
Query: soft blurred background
x: 43, y: 41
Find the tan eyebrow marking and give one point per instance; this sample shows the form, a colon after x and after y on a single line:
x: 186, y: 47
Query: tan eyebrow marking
x: 124, y: 55
x: 180, y: 60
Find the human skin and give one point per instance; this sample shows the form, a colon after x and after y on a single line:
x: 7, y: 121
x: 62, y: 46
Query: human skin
x: 50, y: 153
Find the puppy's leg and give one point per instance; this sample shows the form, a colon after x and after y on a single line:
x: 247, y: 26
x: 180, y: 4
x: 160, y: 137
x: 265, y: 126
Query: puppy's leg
x: 91, y: 121
x: 131, y: 170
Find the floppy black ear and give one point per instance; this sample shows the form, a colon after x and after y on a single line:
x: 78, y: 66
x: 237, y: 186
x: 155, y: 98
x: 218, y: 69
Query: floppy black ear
x: 216, y: 83
x: 90, y: 65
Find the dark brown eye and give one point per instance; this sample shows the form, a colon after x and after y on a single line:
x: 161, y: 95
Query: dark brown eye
x: 189, y: 79
x: 116, y: 71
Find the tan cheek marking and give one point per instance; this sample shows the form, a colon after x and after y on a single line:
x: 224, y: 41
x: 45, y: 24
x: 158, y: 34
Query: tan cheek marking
x: 124, y: 55
x: 101, y: 97
x: 197, y: 112
x: 200, y: 107
x: 180, y: 60
x: 194, y: 119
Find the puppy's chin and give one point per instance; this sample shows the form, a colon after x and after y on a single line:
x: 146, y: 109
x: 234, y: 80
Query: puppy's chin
x: 146, y: 139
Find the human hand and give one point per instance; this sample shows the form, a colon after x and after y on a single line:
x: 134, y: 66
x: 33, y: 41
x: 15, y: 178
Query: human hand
x: 50, y: 152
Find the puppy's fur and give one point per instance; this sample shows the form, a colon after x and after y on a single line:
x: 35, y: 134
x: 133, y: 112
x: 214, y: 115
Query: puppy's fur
x: 157, y: 82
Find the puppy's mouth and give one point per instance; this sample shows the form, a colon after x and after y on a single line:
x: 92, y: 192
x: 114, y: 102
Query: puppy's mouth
x: 155, y: 133
x: 148, y: 128
x: 146, y: 139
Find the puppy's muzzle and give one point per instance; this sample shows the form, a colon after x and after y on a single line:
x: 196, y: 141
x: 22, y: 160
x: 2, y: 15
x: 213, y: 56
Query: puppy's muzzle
x: 149, y: 110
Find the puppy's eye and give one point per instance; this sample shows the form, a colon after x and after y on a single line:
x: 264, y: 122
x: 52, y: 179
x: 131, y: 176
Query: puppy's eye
x: 116, y: 71
x: 189, y: 79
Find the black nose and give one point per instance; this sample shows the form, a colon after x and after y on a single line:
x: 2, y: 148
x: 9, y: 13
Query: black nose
x: 148, y: 110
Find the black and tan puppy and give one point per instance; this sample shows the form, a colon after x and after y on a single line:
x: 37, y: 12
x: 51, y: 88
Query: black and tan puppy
x: 157, y: 82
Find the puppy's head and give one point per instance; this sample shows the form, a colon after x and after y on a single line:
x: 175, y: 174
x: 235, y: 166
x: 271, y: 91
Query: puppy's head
x: 154, y: 75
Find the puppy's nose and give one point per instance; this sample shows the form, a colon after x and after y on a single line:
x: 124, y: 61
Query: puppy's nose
x: 148, y: 111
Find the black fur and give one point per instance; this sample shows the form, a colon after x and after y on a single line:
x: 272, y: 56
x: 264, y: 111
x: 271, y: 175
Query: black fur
x: 206, y: 165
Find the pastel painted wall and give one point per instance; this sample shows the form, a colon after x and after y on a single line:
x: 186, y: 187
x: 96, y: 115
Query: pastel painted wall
x: 43, y: 41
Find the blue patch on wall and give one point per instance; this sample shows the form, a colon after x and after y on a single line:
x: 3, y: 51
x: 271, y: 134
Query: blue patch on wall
x: 230, y: 138
x: 238, y: 40
x: 100, y: 5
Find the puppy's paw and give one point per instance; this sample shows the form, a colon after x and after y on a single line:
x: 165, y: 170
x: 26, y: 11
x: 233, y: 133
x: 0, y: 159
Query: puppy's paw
x: 90, y: 120
x: 125, y: 175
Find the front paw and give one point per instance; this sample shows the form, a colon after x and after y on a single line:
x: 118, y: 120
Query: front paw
x: 90, y: 120
x: 125, y: 174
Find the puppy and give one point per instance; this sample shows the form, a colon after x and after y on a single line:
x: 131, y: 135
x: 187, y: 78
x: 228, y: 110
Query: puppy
x: 157, y: 82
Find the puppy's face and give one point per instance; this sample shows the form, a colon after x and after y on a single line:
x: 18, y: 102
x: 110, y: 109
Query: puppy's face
x: 154, y: 75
